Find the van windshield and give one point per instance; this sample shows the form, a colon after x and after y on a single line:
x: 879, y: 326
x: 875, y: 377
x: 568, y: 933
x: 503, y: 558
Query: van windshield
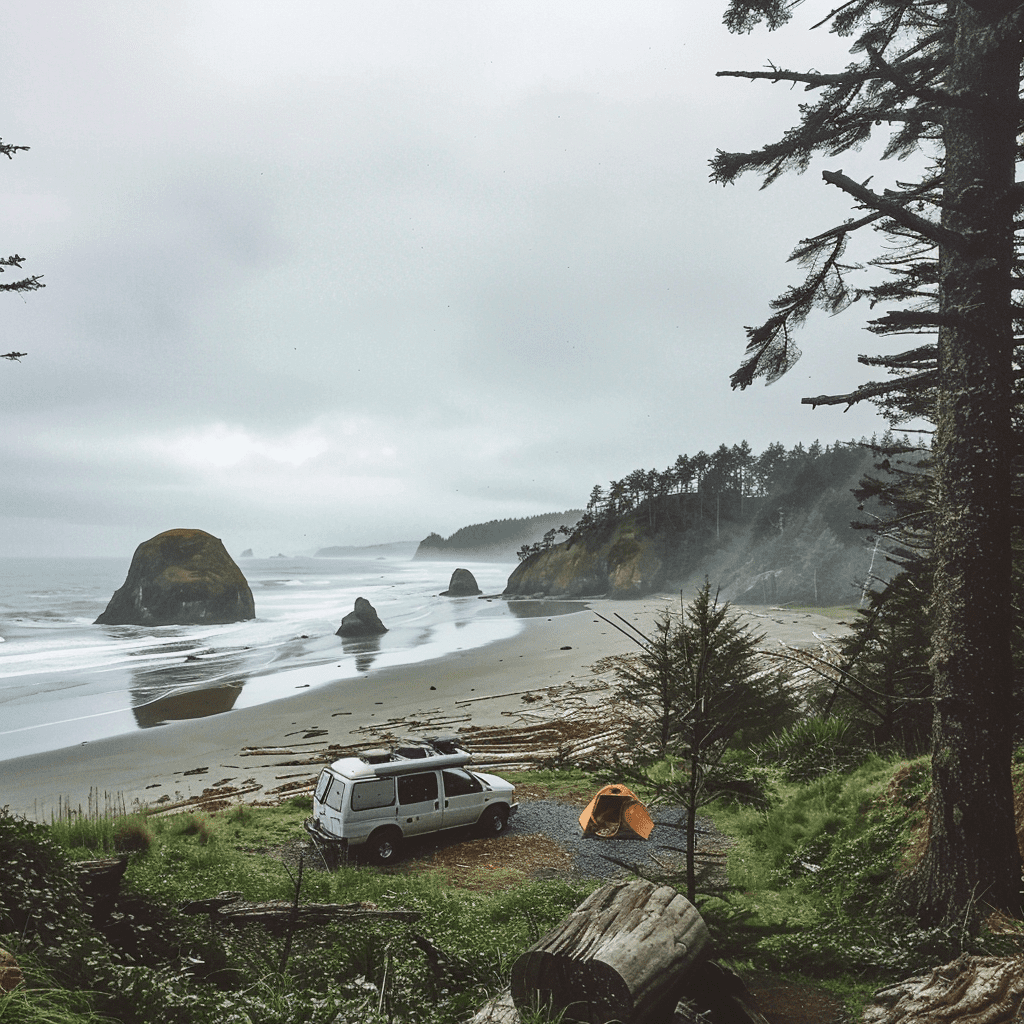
x: 322, y: 785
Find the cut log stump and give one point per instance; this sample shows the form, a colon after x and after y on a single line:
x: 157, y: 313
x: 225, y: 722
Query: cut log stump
x: 622, y: 955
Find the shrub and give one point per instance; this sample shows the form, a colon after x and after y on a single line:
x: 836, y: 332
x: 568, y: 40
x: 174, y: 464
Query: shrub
x: 131, y: 835
x: 193, y: 825
x: 241, y: 814
x: 814, y: 747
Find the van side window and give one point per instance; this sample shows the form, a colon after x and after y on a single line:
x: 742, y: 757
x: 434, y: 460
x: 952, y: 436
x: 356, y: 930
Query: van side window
x: 335, y: 798
x: 458, y: 783
x: 373, y: 793
x: 414, y: 789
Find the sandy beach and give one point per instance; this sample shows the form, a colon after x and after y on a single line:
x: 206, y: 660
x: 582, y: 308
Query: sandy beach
x: 481, y: 687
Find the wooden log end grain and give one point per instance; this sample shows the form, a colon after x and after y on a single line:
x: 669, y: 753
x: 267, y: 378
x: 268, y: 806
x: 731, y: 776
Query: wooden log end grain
x: 621, y: 955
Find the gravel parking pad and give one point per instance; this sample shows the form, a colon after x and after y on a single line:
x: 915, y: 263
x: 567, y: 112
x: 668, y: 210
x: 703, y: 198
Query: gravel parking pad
x: 662, y: 853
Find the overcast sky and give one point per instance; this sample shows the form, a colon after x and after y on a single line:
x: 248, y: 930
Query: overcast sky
x: 352, y: 272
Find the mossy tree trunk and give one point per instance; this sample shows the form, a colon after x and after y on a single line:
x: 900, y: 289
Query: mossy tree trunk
x: 972, y: 859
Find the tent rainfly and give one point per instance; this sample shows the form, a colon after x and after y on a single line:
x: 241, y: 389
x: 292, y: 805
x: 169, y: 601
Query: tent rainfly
x: 616, y: 811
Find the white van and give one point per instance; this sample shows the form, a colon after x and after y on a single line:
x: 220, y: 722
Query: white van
x: 377, y: 799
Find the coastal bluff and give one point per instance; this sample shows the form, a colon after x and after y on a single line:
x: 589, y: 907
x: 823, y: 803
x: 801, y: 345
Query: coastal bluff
x: 180, y: 577
x: 625, y: 564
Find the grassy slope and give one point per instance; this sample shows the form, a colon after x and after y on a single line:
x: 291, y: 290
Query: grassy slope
x: 809, y: 897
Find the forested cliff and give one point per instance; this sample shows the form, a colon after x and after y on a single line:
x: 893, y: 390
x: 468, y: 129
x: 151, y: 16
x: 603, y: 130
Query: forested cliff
x: 769, y: 528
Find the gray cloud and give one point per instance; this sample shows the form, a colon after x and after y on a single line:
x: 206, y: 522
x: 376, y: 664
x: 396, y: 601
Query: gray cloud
x: 352, y: 273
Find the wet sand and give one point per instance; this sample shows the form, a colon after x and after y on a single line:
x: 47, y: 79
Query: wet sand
x: 181, y: 759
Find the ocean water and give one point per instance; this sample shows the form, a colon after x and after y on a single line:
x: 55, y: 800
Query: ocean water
x: 64, y: 680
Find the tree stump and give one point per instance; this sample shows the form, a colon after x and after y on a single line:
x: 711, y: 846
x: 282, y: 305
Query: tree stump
x: 622, y: 955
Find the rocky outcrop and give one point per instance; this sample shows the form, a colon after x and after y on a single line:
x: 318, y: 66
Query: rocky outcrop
x: 625, y: 564
x: 462, y: 584
x: 247, y: 553
x: 361, y: 621
x: 181, y: 577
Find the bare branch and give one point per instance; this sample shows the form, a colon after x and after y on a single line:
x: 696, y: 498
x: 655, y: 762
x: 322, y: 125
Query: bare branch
x: 891, y: 206
x: 927, y: 378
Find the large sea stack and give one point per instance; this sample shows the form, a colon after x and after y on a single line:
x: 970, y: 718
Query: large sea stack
x: 181, y: 577
x: 361, y: 621
x: 463, y: 584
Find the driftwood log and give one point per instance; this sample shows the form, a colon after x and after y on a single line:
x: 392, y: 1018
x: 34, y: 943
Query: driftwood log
x: 100, y: 879
x: 282, y: 915
x: 982, y: 989
x: 622, y: 955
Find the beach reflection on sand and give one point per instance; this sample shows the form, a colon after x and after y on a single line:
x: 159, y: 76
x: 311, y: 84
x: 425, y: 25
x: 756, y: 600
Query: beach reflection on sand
x: 197, y: 688
x: 364, y: 649
x: 537, y: 608
x: 185, y: 704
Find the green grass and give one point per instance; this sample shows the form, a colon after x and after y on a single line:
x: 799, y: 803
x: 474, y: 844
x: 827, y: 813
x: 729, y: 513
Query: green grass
x: 559, y: 783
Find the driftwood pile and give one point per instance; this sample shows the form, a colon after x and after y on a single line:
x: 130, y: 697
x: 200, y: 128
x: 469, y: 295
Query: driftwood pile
x: 633, y: 953
x: 573, y: 723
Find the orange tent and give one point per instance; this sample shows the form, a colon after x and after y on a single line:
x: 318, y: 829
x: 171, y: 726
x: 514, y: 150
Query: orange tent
x: 613, y: 809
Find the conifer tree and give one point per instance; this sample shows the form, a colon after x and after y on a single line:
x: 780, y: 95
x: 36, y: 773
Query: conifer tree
x: 696, y: 688
x: 943, y: 76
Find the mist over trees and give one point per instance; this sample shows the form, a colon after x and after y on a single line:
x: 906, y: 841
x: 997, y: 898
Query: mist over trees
x: 768, y: 528
x: 697, y: 489
x: 944, y: 79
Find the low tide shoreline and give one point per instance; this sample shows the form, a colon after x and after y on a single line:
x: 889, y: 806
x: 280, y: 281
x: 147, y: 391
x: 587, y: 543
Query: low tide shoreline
x: 180, y: 760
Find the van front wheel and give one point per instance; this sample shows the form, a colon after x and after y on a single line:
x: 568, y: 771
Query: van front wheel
x: 494, y: 821
x: 382, y: 846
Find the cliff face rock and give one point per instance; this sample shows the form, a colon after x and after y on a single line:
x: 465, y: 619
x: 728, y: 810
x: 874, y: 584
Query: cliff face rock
x: 462, y: 584
x: 361, y: 621
x: 624, y: 565
x: 181, y: 577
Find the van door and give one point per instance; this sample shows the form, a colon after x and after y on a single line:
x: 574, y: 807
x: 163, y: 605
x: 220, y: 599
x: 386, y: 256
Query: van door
x: 463, y: 797
x: 372, y: 804
x: 419, y: 803
x: 331, y: 794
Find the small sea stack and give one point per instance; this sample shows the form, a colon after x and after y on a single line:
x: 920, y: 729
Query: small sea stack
x: 180, y: 578
x: 462, y: 584
x: 361, y: 621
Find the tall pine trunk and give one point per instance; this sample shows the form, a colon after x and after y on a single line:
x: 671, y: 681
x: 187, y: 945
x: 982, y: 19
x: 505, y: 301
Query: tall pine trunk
x: 972, y: 861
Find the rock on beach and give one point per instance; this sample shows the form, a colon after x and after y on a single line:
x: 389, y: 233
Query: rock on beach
x: 180, y: 577
x: 361, y: 621
x: 463, y: 584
